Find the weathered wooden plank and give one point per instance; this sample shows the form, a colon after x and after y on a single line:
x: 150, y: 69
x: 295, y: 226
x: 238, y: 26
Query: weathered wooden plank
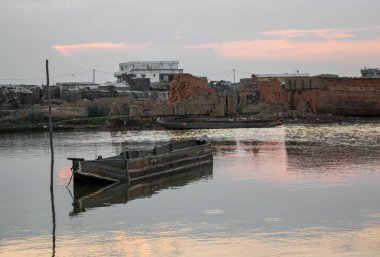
x: 164, y: 149
x: 109, y: 170
x: 176, y: 160
x: 184, y: 144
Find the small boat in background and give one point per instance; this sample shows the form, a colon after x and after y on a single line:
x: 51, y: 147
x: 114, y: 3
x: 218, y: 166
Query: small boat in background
x: 173, y: 157
x: 216, y: 123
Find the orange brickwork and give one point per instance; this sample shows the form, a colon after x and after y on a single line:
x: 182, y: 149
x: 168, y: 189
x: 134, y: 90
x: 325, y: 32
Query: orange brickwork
x: 184, y: 86
x: 320, y: 95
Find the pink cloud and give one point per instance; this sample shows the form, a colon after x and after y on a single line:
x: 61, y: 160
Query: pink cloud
x: 285, y: 49
x: 298, y: 44
x: 318, y: 33
x: 70, y: 49
x: 328, y: 34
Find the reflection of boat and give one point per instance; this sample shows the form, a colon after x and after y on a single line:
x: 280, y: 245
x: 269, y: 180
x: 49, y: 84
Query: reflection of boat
x: 89, y: 195
x: 134, y: 165
x: 216, y: 123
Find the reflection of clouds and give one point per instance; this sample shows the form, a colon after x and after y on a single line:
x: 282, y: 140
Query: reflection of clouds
x: 273, y: 219
x: 64, y: 175
x: 34, y: 246
x: 254, y: 161
x: 213, y: 212
x: 317, y: 241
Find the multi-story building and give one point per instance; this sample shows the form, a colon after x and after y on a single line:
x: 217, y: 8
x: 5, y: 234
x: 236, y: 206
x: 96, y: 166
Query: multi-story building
x: 370, y: 73
x: 156, y: 71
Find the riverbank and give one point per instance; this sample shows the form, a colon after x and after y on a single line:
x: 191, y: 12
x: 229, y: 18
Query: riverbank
x: 146, y: 123
x: 96, y: 123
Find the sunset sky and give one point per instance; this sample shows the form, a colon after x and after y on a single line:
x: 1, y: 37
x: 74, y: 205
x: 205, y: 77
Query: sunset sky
x: 208, y: 37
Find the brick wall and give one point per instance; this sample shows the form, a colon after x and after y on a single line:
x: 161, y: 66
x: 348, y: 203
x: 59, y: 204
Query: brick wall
x: 272, y: 92
x: 213, y: 105
x: 188, y: 95
x: 186, y: 85
x: 340, y: 96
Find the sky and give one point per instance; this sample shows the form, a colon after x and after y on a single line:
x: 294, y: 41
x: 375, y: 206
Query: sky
x: 208, y: 37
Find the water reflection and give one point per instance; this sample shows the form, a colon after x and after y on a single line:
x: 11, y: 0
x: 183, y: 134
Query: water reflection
x: 122, y: 141
x: 316, y: 157
x: 315, y: 241
x: 251, y: 146
x: 308, y: 242
x: 293, y: 154
x: 333, y: 151
x: 52, y: 200
x: 89, y: 196
x: 291, y: 191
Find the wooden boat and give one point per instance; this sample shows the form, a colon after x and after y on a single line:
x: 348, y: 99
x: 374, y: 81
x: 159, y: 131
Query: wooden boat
x: 89, y: 195
x: 216, y: 123
x: 134, y: 165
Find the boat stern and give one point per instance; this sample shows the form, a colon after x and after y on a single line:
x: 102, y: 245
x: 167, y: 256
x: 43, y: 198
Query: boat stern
x: 76, y: 163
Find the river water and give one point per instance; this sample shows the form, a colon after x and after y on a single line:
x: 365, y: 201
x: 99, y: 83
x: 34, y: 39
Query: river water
x: 296, y: 190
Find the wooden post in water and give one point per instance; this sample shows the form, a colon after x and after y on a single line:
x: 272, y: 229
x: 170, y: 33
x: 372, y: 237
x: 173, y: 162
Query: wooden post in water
x: 52, y: 158
x: 50, y: 116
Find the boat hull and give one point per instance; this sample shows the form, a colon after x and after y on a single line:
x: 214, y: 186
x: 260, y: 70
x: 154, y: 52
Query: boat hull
x: 217, y: 124
x: 137, y: 165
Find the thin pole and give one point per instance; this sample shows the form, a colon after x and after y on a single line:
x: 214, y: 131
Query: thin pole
x: 52, y: 160
x: 93, y: 76
x: 234, y: 74
x: 50, y: 120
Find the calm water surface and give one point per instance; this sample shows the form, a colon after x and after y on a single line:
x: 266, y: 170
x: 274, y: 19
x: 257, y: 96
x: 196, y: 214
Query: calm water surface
x: 295, y: 190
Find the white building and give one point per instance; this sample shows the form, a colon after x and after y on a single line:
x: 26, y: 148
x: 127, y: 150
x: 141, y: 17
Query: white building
x: 76, y: 85
x: 156, y: 71
x: 283, y: 75
x: 370, y: 73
